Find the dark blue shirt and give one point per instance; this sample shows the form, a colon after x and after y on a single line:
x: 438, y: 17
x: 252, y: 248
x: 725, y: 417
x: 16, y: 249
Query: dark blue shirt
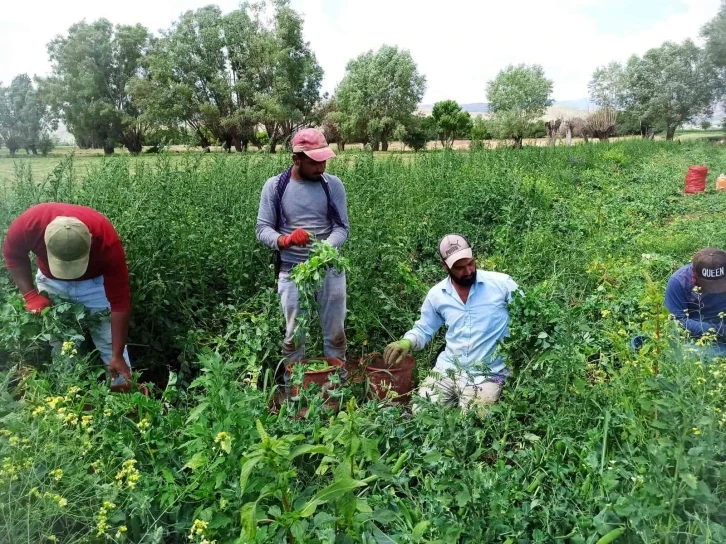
x: 695, y: 311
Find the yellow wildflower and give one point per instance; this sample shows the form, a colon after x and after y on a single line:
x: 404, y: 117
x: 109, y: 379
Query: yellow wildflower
x: 696, y: 431
x: 67, y: 348
x: 14, y: 440
x: 224, y: 441
x: 71, y: 419
x: 144, y: 424
x: 52, y: 538
x: 605, y: 313
x: 622, y: 332
x: 86, y: 421
x: 56, y: 474
x: 102, y: 518
x: 39, y: 411
x: 107, y: 412
x: 73, y: 390
x: 5, y: 432
x: 198, y: 528
x: 121, y: 531
x: 128, y: 473
x: 62, y: 501
x: 53, y: 401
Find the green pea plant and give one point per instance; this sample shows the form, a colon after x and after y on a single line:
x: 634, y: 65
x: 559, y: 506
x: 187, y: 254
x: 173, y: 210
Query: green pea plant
x: 309, y: 276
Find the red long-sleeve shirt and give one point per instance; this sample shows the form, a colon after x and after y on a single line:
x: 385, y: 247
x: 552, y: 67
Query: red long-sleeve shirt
x: 107, y: 258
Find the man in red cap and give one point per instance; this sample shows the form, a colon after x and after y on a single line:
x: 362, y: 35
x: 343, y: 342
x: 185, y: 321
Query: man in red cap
x: 302, y: 202
x: 80, y: 257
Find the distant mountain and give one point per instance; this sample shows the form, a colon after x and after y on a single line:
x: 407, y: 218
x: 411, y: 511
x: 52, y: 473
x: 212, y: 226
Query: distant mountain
x: 583, y: 104
x: 571, y: 107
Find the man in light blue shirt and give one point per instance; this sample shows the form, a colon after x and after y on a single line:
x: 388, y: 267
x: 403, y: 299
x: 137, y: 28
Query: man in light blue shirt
x: 473, y: 304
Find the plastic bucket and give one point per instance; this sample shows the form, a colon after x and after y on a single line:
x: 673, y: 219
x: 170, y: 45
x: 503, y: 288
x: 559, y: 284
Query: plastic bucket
x: 397, y: 379
x: 320, y: 377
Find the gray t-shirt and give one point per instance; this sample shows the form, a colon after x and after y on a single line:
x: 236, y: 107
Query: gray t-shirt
x: 305, y: 206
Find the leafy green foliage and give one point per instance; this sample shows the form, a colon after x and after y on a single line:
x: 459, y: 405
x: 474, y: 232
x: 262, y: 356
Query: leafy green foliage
x: 378, y: 92
x: 450, y: 121
x: 89, y: 85
x: 587, y: 442
x: 669, y: 85
x: 517, y: 97
x: 24, y: 119
x: 607, y: 86
x: 309, y: 276
x: 224, y: 74
x: 416, y: 132
x: 672, y: 83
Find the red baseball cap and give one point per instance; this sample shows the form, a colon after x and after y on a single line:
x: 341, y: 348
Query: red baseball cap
x: 312, y: 142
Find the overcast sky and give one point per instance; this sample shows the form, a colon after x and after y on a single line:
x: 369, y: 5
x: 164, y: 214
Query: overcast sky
x: 459, y: 44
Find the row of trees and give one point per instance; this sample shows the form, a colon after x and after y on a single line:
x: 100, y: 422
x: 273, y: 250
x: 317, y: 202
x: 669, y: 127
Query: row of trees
x: 669, y: 85
x: 247, y: 77
x: 24, y: 120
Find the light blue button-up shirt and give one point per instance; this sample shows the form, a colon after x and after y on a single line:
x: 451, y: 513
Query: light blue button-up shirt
x: 474, y: 329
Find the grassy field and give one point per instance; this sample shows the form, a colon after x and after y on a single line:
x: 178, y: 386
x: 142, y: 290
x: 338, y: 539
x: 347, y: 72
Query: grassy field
x: 590, y: 443
x: 86, y: 159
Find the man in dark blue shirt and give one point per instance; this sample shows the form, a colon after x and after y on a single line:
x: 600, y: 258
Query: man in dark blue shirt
x: 696, y: 297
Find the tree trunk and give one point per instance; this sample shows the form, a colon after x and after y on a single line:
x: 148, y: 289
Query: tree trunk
x: 237, y: 142
x: 341, y: 145
x: 108, y: 150
x: 670, y: 132
x: 518, y: 142
x: 584, y: 137
x: 568, y: 136
x: 375, y: 146
x: 134, y: 146
x: 384, y: 144
x: 273, y: 145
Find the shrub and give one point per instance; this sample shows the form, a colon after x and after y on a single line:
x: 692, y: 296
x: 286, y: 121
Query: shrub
x: 46, y: 144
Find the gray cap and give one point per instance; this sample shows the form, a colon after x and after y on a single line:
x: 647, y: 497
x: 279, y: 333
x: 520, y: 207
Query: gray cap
x: 709, y: 266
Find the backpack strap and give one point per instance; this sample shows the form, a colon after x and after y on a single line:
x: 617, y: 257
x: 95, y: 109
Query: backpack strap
x: 282, y: 182
x: 333, y: 212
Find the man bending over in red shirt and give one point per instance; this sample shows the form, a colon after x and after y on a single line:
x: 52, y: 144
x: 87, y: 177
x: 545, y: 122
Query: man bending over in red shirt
x: 79, y: 256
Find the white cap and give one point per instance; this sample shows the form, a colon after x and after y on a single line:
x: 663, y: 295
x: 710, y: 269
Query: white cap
x: 454, y: 247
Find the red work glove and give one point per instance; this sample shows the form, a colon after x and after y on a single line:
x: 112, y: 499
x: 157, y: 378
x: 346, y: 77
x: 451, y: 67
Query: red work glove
x: 35, y: 302
x: 299, y: 237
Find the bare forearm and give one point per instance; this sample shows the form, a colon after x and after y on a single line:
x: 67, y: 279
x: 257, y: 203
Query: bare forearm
x: 22, y: 279
x: 119, y: 331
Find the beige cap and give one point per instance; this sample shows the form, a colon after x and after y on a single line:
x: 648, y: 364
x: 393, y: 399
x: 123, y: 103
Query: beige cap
x: 454, y: 247
x: 68, y: 242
